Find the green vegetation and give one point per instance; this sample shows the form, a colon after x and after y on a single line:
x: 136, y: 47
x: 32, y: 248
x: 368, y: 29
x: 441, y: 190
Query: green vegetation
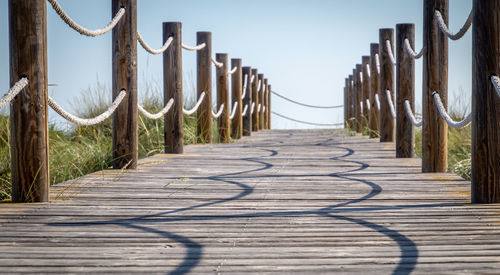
x: 77, y: 151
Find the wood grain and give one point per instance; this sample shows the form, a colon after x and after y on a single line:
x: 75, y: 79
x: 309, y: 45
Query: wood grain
x: 301, y: 201
x: 247, y: 101
x: 124, y: 74
x: 485, y: 103
x: 256, y: 100
x: 172, y: 88
x: 386, y: 81
x: 204, y: 84
x: 29, y: 147
x: 405, y: 87
x: 374, y: 89
x: 236, y: 90
x: 223, y: 123
x: 365, y: 60
x: 435, y: 78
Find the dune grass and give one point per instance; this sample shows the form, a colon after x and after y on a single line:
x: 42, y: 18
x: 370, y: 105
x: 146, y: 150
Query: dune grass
x: 77, y: 151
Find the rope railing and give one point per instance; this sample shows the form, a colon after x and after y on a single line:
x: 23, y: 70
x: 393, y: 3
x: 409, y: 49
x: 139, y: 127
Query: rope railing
x: 388, y: 46
x: 306, y: 122
x: 253, y: 78
x: 82, y: 30
x: 245, y: 83
x: 216, y: 63
x: 158, y: 115
x: 13, y: 92
x: 377, y: 102
x: 245, y: 110
x: 252, y: 108
x: 368, y: 70
x: 233, y: 112
x: 232, y: 71
x: 377, y: 63
x: 195, y: 108
x: 306, y: 105
x: 447, y: 32
x: 368, y: 104
x: 410, y: 115
x: 259, y: 107
x: 219, y: 112
x: 151, y: 50
x: 88, y: 121
x: 361, y: 77
x: 412, y: 52
x: 391, y: 105
x: 361, y: 105
x: 193, y: 48
x: 446, y: 116
x: 495, y: 80
x: 258, y: 85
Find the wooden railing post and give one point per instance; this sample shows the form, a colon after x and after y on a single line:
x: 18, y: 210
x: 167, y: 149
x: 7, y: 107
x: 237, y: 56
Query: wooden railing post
x: 223, y: 97
x: 261, y: 102
x: 269, y: 106
x: 365, y: 62
x: 247, y: 101
x: 265, y: 109
x: 255, y: 98
x: 355, y: 102
x: 236, y: 90
x: 172, y: 85
x: 374, y: 90
x: 125, y: 140
x: 28, y: 111
x: 386, y: 83
x: 204, y: 84
x: 350, y: 98
x: 359, y: 99
x: 405, y: 87
x: 485, y: 102
x: 346, y: 104
x: 435, y: 78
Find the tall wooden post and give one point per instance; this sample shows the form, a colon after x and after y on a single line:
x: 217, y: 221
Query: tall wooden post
x: 355, y: 101
x: 351, y: 102
x: 346, y: 104
x: 405, y: 87
x: 28, y: 111
x: 435, y: 78
x: 386, y: 83
x: 247, y: 101
x: 485, y: 102
x: 204, y: 84
x: 366, y: 90
x: 261, y: 101
x: 223, y: 97
x: 265, y: 107
x: 124, y: 72
x: 269, y: 107
x: 172, y: 85
x: 374, y: 90
x: 236, y: 88
x: 255, y: 98
x: 359, y: 98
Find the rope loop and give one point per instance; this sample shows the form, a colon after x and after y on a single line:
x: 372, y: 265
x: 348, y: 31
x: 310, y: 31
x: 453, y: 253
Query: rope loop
x: 447, y: 32
x: 219, y: 112
x: 446, y: 116
x: 412, y: 52
x: 158, y: 115
x: 195, y: 108
x: 151, y: 50
x: 410, y: 114
x: 92, y: 33
x: 13, y: 92
x: 306, y: 105
x: 193, y: 48
x: 391, y: 105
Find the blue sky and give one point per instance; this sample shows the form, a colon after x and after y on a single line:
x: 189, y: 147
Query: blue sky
x: 304, y: 48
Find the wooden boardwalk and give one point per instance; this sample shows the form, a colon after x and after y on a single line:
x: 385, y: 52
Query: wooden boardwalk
x: 300, y: 202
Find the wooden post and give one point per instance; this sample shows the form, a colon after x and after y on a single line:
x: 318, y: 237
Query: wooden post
x: 172, y: 88
x: 359, y: 99
x: 346, y: 103
x: 28, y: 111
x: 386, y: 83
x: 269, y: 107
x: 366, y: 90
x: 223, y: 97
x: 261, y: 101
x: 247, y: 101
x: 485, y: 102
x: 405, y: 87
x: 265, y: 109
x: 255, y: 98
x: 355, y: 101
x: 374, y: 90
x: 236, y: 89
x: 351, y: 103
x: 124, y: 74
x: 435, y: 78
x: 204, y: 84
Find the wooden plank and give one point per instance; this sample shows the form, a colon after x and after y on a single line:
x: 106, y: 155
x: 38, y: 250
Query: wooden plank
x: 302, y: 201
